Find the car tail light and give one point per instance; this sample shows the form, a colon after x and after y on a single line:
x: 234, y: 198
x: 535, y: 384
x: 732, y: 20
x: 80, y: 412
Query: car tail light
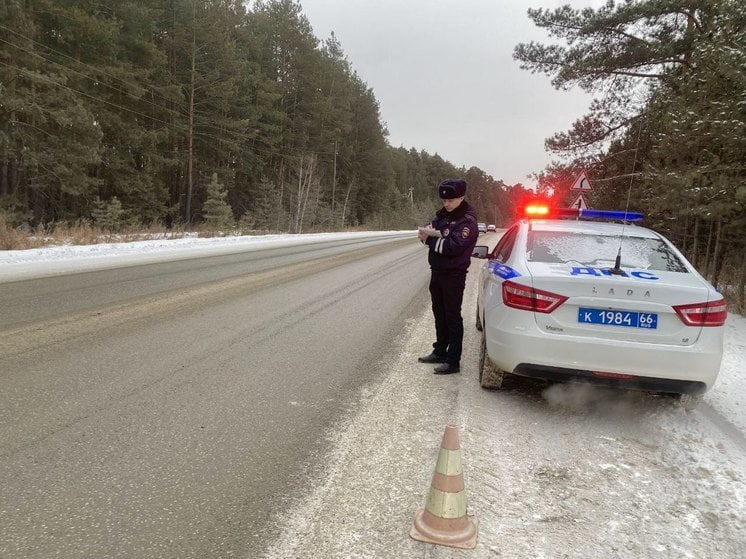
x: 530, y: 299
x: 713, y: 313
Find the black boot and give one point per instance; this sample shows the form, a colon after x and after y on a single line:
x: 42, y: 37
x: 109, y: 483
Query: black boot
x: 446, y: 369
x: 432, y: 358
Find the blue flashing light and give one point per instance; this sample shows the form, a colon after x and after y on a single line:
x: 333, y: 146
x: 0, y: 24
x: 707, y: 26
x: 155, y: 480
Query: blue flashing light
x: 599, y: 214
x: 612, y: 214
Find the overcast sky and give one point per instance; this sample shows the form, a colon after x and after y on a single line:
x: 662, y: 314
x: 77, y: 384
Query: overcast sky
x: 444, y: 75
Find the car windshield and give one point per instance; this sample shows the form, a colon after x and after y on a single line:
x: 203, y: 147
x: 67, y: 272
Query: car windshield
x: 591, y: 249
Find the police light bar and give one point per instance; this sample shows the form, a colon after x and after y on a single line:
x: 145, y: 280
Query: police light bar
x: 534, y: 211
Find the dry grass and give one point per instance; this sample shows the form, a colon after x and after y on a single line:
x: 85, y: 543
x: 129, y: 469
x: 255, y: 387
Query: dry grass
x: 78, y: 233
x: 84, y: 233
x: 12, y: 238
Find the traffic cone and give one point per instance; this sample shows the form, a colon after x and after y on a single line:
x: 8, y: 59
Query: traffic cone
x: 444, y: 521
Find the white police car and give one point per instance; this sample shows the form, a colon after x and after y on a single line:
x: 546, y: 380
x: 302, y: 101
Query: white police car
x: 609, y: 303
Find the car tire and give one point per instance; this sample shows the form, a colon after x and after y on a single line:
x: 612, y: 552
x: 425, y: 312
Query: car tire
x: 478, y: 322
x: 489, y: 376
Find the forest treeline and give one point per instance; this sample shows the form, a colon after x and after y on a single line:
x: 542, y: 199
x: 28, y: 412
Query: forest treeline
x: 667, y: 128
x: 128, y: 112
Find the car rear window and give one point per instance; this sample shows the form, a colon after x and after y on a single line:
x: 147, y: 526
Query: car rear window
x: 590, y: 249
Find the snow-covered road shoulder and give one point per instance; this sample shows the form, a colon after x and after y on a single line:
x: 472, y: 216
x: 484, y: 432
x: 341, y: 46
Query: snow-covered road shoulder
x: 559, y: 471
x: 54, y: 260
x: 728, y: 396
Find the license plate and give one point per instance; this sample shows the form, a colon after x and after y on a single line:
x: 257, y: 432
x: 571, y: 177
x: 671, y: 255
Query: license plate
x: 612, y: 317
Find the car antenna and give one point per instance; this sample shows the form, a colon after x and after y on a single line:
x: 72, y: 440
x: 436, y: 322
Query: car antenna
x: 617, y: 269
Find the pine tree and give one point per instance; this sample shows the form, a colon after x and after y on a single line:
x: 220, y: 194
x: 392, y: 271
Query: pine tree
x: 49, y: 137
x: 678, y: 150
x: 108, y: 215
x: 216, y: 210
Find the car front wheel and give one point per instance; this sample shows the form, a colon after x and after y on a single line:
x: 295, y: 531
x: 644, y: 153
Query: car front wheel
x: 489, y: 376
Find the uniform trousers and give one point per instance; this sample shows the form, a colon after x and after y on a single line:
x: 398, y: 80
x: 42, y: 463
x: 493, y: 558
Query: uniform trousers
x: 447, y: 294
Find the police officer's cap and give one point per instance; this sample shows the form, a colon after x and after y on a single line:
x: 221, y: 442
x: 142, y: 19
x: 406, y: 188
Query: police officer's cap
x: 452, y: 188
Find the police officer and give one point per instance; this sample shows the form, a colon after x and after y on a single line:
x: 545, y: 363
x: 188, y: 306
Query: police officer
x: 450, y: 238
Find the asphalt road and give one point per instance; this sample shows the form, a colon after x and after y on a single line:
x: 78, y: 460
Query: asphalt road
x: 174, y: 410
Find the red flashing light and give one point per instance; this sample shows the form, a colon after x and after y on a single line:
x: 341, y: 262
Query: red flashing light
x: 713, y: 313
x: 530, y: 299
x: 536, y: 210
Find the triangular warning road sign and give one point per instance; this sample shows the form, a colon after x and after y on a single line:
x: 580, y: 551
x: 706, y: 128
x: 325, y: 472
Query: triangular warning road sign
x: 582, y: 183
x: 579, y: 203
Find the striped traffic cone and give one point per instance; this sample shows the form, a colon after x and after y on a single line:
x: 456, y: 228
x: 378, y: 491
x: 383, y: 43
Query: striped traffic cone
x: 444, y: 521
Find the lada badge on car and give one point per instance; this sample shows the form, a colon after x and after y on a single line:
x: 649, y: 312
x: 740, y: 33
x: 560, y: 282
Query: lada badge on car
x: 611, y: 291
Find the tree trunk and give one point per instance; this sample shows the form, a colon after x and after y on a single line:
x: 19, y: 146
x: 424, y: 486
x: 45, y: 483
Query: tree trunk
x: 690, y: 28
x: 305, y: 180
x: 706, y: 260
x: 190, y: 157
x: 717, y: 257
x: 316, y: 203
x: 347, y: 197
x: 281, y: 177
x: 297, y: 218
x: 742, y: 284
x: 4, y: 190
x: 7, y: 183
x: 713, y: 264
x: 695, y: 242
x: 334, y: 180
x: 685, y: 235
x: 176, y: 179
x: 310, y: 172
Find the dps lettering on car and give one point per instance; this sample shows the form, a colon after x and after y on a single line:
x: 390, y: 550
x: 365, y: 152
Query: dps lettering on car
x: 590, y: 271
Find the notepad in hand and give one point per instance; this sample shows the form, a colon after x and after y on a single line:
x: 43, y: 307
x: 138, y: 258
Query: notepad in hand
x: 429, y: 231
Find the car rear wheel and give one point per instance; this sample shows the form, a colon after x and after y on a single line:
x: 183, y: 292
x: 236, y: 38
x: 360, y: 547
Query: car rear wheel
x: 489, y: 376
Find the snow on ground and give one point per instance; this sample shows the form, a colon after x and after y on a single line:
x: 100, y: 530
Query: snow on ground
x: 728, y: 396
x: 550, y: 472
x: 54, y: 260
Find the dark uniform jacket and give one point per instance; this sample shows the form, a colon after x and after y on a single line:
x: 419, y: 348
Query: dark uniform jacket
x: 458, y: 229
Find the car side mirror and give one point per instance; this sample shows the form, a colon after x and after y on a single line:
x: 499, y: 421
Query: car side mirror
x: 480, y: 251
